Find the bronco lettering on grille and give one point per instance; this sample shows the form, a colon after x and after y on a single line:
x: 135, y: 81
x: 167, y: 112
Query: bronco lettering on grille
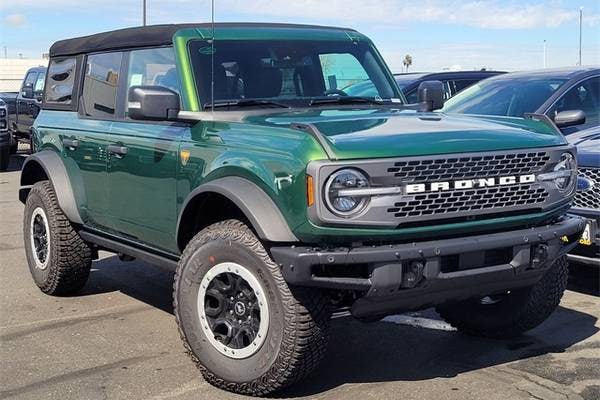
x: 468, y: 184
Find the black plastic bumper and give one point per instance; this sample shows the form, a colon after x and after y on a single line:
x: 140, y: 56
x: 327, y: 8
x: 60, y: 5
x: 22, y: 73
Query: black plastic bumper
x: 410, y: 276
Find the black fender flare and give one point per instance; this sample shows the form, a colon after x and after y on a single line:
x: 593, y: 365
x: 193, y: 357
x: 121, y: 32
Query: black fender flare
x: 55, y: 170
x: 256, y: 205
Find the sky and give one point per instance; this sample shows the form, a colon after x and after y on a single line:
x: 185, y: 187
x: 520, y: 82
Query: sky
x: 438, y: 34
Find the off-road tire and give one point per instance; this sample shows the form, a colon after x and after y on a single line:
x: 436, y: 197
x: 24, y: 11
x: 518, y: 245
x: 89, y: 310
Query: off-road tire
x: 298, y: 317
x: 4, y: 158
x: 520, y: 311
x: 70, y: 258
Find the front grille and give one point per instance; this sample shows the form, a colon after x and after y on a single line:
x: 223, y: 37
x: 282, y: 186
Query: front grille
x: 469, y: 167
x: 589, y: 198
x: 469, y: 200
x: 454, y: 203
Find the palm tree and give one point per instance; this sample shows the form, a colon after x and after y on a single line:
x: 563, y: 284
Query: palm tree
x: 407, y: 61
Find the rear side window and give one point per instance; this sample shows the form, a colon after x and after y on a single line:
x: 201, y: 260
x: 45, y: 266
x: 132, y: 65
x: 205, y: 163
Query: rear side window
x: 61, y: 80
x: 100, y: 85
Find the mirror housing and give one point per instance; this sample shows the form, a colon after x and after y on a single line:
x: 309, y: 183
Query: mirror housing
x: 27, y: 91
x: 152, y: 103
x: 567, y: 118
x: 431, y: 93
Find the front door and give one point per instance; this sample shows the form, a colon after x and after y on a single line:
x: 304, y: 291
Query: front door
x: 143, y: 162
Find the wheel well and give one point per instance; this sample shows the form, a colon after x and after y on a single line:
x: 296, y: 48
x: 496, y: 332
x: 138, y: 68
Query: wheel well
x: 206, y: 209
x: 32, y: 173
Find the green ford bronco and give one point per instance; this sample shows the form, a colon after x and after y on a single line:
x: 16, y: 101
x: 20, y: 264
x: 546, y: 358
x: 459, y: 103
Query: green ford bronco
x: 233, y: 155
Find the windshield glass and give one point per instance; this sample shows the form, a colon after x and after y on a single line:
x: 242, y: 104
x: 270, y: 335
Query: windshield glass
x: 504, y: 96
x: 290, y: 72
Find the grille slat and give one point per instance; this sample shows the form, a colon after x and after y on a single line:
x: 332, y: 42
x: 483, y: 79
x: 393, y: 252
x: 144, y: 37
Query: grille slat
x: 469, y: 167
x: 468, y: 200
x: 590, y: 198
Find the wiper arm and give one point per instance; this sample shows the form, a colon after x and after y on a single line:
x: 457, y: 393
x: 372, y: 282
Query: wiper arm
x: 344, y: 100
x: 245, y: 103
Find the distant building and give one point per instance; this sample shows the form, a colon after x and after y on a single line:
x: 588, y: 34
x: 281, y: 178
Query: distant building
x: 12, y: 72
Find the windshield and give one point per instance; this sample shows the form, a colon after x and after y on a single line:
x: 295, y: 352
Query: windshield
x: 504, y: 96
x: 291, y: 72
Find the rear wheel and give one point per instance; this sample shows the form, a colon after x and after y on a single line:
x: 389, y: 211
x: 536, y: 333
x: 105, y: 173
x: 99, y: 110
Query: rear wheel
x: 510, y: 314
x: 244, y: 327
x: 59, y: 260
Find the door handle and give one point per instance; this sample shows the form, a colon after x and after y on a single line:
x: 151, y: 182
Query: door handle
x: 72, y: 144
x: 117, y: 149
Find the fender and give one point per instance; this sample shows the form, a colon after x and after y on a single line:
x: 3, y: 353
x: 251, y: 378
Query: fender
x: 55, y: 170
x: 256, y: 205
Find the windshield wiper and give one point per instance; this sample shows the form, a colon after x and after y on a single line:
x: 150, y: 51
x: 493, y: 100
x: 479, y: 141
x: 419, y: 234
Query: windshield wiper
x: 245, y: 103
x: 344, y: 100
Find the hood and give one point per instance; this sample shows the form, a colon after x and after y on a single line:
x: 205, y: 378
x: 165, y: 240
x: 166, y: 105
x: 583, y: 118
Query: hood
x: 379, y: 133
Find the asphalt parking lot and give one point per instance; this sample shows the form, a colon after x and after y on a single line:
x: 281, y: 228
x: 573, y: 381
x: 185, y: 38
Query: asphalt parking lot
x: 118, y: 340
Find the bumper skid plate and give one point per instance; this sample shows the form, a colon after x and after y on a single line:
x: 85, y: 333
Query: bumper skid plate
x: 411, y: 276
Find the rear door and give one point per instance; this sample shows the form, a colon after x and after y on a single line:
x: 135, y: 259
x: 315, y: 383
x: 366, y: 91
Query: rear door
x: 142, y: 178
x: 87, y: 145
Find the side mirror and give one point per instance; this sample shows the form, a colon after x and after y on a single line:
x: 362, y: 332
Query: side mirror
x: 27, y: 91
x: 152, y: 102
x: 564, y: 119
x: 431, y: 93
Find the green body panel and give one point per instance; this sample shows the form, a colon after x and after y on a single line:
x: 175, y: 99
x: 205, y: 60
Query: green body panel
x: 140, y: 196
x: 143, y: 183
x: 87, y: 165
x: 382, y: 133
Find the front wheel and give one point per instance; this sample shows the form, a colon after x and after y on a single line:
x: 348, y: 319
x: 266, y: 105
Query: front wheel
x: 247, y: 331
x: 510, y: 314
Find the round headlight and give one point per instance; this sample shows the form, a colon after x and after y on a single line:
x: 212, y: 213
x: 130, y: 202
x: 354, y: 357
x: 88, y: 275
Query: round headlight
x: 566, y: 171
x: 338, y: 192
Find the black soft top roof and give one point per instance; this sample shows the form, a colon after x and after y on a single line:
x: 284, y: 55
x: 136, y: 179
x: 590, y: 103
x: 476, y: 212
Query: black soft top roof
x: 143, y: 36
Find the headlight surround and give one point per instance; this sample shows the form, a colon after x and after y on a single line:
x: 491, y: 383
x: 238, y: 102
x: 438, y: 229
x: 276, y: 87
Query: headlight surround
x: 566, y: 173
x: 346, y: 206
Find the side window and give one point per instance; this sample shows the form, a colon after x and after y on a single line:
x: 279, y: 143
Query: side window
x: 153, y: 67
x: 39, y: 82
x: 449, y: 89
x: 61, y: 79
x: 412, y: 96
x: 463, y: 84
x: 100, y: 84
x: 30, y: 80
x: 585, y: 96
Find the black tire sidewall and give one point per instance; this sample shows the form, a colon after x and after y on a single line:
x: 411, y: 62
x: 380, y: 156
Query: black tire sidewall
x: 43, y: 277
x: 202, y: 260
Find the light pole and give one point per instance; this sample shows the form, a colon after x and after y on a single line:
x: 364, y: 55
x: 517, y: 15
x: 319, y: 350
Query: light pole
x: 580, y: 31
x: 144, y: 12
x: 544, y: 53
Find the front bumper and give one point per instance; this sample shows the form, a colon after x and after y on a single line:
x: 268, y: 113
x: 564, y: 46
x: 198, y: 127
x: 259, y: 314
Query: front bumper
x: 410, y: 276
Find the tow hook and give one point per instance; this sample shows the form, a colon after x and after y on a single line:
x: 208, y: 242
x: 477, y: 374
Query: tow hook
x: 540, y: 256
